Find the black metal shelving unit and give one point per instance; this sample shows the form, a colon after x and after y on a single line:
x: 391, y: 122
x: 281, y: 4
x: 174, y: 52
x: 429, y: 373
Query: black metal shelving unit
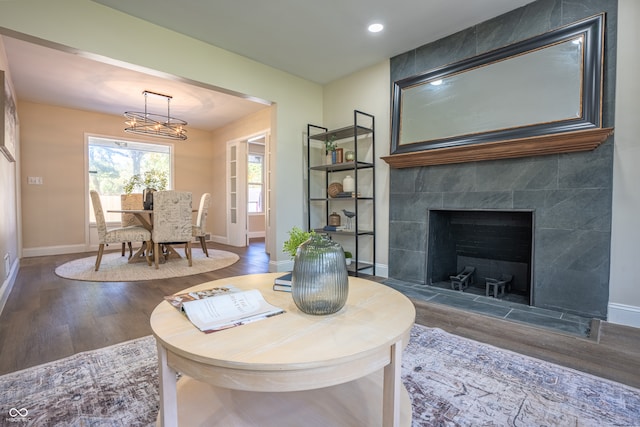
x: 361, y: 136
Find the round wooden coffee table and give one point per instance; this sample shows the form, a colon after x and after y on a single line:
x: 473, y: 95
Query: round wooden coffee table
x: 291, y: 369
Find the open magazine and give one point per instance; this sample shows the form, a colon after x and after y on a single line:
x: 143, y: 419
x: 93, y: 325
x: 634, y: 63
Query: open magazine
x: 178, y: 299
x: 220, y: 309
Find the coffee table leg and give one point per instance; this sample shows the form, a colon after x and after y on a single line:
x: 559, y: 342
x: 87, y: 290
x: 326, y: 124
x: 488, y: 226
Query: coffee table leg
x: 391, y: 387
x: 168, y: 416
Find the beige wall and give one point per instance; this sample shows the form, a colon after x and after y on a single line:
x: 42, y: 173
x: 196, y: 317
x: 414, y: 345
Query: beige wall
x: 256, y: 224
x: 53, y: 147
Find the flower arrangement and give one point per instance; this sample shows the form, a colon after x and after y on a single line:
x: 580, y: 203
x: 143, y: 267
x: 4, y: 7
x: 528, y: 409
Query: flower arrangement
x: 153, y: 178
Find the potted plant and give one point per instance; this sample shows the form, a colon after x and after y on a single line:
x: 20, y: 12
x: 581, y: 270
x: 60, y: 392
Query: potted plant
x: 296, y: 237
x: 330, y: 146
x: 348, y: 257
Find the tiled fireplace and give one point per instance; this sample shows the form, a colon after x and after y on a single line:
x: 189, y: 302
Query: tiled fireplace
x: 567, y: 196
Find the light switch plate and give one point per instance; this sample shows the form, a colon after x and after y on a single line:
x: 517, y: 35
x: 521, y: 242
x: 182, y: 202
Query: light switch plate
x: 37, y: 180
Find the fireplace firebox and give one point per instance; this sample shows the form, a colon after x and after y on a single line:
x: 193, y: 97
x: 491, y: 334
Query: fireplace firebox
x: 495, y: 243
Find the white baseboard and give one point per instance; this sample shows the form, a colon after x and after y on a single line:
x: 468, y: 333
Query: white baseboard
x: 54, y: 250
x: 7, y: 285
x: 219, y: 239
x: 624, y: 314
x: 255, y: 234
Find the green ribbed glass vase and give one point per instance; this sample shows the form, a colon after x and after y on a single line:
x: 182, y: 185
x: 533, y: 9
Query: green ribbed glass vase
x: 320, y: 282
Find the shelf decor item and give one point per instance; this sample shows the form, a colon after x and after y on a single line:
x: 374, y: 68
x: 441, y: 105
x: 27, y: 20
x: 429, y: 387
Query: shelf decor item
x: 349, y: 156
x: 348, y: 257
x: 334, y: 189
x: 348, y: 184
x: 320, y: 282
x: 334, y: 219
x: 330, y: 149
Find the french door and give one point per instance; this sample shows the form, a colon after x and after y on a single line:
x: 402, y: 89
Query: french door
x: 237, y: 193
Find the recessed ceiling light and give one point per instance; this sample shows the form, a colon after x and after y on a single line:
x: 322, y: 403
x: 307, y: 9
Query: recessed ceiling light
x: 376, y: 28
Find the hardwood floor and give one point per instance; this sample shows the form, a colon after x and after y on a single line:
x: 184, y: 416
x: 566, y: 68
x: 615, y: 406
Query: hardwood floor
x: 48, y: 318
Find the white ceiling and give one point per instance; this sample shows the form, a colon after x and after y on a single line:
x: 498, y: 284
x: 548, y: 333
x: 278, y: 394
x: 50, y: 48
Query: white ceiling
x: 50, y: 76
x: 317, y: 40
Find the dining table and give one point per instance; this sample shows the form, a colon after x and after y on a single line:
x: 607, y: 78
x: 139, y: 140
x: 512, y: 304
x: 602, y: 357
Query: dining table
x: 145, y: 217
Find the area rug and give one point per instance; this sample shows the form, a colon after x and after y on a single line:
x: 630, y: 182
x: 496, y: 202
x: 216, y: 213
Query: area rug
x: 115, y: 267
x: 452, y: 381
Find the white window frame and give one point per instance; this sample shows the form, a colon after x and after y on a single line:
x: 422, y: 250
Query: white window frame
x: 106, y: 140
x: 262, y: 183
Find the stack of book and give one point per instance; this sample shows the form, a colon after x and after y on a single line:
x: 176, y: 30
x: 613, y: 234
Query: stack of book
x: 346, y: 194
x: 334, y: 228
x: 283, y: 283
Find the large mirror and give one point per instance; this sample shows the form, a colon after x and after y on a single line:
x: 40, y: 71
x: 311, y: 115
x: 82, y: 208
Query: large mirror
x: 544, y: 85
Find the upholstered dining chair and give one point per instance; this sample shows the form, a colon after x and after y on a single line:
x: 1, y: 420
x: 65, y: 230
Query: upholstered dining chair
x: 130, y: 201
x: 172, y: 221
x: 115, y: 235
x: 199, y: 229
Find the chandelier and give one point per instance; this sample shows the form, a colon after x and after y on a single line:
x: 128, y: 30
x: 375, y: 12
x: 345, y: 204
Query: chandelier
x: 155, y: 124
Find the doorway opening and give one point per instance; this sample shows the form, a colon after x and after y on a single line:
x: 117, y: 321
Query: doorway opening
x: 248, y: 173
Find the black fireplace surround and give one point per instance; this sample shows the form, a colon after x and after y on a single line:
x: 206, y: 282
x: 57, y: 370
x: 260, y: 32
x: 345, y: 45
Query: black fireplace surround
x: 568, y: 196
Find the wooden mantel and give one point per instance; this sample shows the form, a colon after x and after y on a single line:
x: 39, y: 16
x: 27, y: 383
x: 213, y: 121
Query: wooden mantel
x: 566, y: 142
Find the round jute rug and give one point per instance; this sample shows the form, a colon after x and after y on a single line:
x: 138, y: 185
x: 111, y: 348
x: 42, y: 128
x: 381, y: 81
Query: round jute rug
x: 115, y: 268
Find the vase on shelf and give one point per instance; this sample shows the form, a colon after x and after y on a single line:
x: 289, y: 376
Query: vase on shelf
x: 348, y: 184
x: 349, y: 156
x: 331, y: 158
x: 319, y: 282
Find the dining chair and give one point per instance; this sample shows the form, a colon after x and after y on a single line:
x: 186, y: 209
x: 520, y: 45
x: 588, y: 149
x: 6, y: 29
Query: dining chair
x: 172, y: 223
x: 130, y: 201
x: 199, y: 229
x: 115, y: 235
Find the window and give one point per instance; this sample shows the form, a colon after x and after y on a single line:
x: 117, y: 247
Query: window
x: 112, y: 162
x: 255, y: 183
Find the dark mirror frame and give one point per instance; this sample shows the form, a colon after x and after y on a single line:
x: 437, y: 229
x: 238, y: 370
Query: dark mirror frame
x: 593, y: 31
